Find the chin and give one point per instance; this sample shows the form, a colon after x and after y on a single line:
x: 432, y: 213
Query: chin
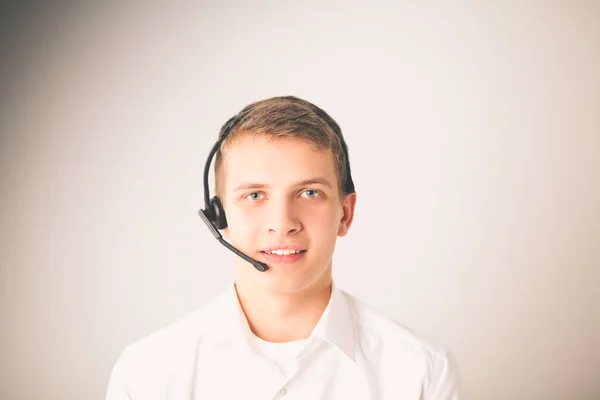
x: 292, y: 283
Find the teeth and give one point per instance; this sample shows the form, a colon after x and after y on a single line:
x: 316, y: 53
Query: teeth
x: 285, y: 252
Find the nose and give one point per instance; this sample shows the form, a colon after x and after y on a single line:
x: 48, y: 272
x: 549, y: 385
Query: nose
x: 282, y: 218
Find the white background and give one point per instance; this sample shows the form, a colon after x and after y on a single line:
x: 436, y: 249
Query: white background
x: 474, y: 137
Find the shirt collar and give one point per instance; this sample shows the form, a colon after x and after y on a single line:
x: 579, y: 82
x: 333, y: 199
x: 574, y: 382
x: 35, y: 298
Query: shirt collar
x: 228, y: 322
x: 335, y: 325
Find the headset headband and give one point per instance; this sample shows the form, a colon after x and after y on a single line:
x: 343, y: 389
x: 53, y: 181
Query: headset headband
x: 233, y: 121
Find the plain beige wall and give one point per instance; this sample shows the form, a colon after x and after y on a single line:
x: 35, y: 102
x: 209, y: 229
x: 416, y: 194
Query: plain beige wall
x: 474, y: 136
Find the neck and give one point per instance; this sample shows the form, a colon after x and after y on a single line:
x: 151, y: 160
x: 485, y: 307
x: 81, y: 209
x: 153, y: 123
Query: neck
x: 283, y: 317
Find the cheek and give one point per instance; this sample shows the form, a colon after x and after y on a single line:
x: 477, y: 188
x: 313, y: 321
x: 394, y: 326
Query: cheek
x: 241, y: 218
x: 240, y: 226
x: 324, y: 222
x: 328, y: 213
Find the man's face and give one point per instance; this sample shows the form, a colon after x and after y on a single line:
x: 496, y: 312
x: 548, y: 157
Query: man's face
x: 268, y: 207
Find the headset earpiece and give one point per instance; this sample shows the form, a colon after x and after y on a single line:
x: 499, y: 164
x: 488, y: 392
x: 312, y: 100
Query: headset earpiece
x: 217, y: 213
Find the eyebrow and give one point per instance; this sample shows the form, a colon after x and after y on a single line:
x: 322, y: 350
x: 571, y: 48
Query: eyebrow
x: 312, y: 181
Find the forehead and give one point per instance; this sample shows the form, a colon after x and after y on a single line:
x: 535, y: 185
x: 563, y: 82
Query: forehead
x: 275, y: 161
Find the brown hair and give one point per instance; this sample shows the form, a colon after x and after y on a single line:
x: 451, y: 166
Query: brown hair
x: 287, y: 117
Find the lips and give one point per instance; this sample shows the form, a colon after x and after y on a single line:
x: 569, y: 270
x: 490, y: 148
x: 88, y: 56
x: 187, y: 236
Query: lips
x: 299, y: 252
x: 282, y: 259
x: 283, y: 247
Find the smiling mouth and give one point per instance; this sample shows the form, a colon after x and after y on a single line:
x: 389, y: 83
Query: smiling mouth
x: 284, y: 252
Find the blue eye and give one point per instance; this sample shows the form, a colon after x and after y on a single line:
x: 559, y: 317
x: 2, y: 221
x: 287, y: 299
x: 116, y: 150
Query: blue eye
x: 253, y: 196
x: 311, y: 193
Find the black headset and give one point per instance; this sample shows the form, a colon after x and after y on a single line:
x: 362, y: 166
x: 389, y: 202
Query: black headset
x: 213, y: 213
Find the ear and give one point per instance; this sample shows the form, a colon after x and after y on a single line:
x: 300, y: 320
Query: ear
x: 348, y: 214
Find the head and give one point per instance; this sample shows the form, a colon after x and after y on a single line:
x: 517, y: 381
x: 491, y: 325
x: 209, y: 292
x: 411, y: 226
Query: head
x: 281, y: 175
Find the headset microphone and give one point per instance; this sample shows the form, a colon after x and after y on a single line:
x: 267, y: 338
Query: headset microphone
x: 262, y: 267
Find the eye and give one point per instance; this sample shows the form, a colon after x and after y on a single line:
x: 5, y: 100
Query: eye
x: 254, y: 196
x: 311, y: 193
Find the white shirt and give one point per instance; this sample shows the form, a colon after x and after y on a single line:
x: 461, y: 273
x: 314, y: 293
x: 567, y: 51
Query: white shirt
x: 283, y: 355
x: 353, y: 353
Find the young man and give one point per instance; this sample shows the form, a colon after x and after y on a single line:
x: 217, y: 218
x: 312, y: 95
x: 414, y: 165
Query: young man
x: 283, y: 178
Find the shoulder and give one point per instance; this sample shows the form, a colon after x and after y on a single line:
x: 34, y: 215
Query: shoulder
x: 391, y: 344
x: 170, y: 340
x: 145, y: 364
x: 374, y: 326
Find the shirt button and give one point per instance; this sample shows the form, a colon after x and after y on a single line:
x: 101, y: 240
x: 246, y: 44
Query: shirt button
x: 283, y: 392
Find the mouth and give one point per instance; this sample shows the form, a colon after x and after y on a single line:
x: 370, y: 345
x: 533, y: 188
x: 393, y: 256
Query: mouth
x: 287, y: 256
